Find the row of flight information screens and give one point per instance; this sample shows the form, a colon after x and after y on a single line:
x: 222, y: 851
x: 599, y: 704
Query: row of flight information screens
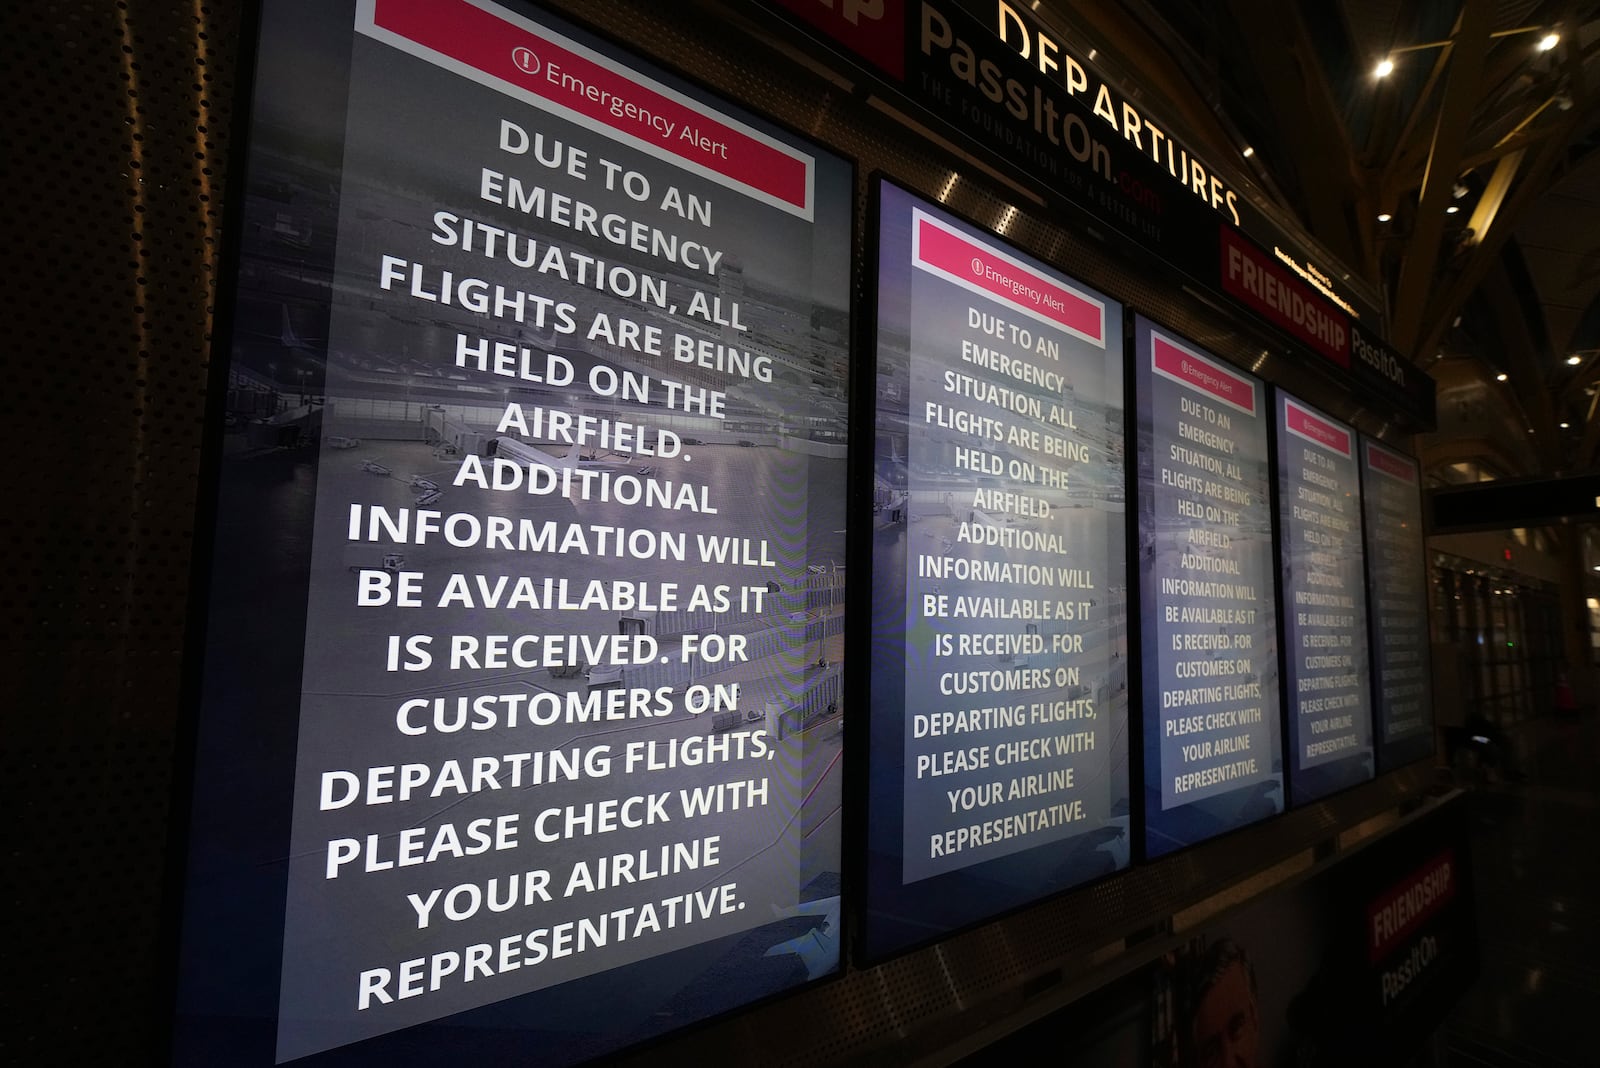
x: 1015, y: 626
x: 525, y: 694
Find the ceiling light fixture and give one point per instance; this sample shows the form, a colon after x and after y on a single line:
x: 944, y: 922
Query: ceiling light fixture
x: 1384, y: 216
x: 1385, y: 66
x: 1574, y: 361
x: 1451, y: 210
x: 1248, y: 152
x: 1501, y: 377
x: 1566, y: 426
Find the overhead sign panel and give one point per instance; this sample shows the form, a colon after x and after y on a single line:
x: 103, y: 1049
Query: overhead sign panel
x: 996, y: 75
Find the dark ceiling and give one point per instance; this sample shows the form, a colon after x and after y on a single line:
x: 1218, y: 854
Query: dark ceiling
x: 1478, y: 148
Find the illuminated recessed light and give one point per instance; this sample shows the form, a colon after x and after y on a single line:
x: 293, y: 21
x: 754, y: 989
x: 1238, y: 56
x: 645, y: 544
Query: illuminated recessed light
x: 1501, y: 377
x: 1566, y: 426
x: 1093, y: 52
x: 1574, y: 360
x: 1384, y: 216
x: 1248, y: 152
x: 1549, y: 41
x: 1451, y: 210
x: 1384, y: 68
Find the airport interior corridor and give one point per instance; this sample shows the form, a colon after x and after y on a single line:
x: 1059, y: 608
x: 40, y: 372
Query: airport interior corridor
x: 1536, y: 869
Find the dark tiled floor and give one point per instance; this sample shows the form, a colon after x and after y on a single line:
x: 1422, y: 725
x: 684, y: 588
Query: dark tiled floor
x: 1536, y: 860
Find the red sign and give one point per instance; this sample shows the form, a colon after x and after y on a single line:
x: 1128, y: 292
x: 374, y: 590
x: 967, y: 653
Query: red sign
x: 1265, y: 285
x: 1195, y: 371
x: 596, y: 91
x: 1399, y: 911
x: 872, y: 29
x: 1387, y: 462
x: 1316, y: 429
x: 986, y: 270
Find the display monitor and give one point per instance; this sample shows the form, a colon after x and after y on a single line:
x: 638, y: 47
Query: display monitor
x: 1213, y: 744
x: 1324, y: 603
x: 999, y: 669
x: 1397, y: 600
x: 521, y: 714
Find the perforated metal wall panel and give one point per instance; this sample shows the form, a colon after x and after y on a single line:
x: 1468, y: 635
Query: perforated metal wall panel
x: 120, y: 122
x: 117, y: 119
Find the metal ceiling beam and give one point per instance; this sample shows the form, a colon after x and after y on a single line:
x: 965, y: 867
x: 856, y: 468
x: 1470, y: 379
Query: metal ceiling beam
x: 1477, y: 155
x: 1504, y: 59
x: 1529, y: 374
x: 1309, y: 119
x: 1408, y: 154
x: 1514, y: 68
x: 1494, y: 194
x: 1444, y: 160
x: 1518, y: 143
x: 1508, y: 54
x: 1448, y: 300
x: 1572, y: 56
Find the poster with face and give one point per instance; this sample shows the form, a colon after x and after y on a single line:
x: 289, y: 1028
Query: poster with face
x: 1359, y: 962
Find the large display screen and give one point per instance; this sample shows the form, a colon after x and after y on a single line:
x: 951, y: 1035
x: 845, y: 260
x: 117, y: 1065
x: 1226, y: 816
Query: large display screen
x: 1324, y: 603
x: 1397, y: 591
x: 522, y: 707
x: 1213, y: 750
x: 999, y: 759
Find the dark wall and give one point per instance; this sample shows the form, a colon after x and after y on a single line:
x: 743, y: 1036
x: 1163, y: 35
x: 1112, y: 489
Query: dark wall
x: 117, y: 118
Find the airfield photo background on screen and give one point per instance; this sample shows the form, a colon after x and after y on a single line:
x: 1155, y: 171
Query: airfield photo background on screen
x: 1213, y: 752
x: 999, y: 670
x: 1397, y: 576
x: 1324, y: 602
x: 570, y: 709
